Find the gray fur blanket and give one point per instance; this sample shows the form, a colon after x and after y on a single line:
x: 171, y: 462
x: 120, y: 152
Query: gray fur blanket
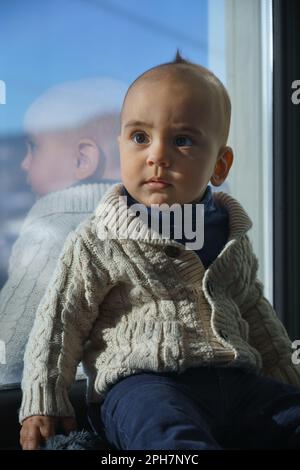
x: 76, y: 440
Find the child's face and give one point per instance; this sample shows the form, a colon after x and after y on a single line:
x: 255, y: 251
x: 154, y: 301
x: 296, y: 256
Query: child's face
x: 169, y: 130
x: 49, y: 162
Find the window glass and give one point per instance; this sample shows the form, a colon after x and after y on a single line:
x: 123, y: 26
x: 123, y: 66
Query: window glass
x: 65, y: 66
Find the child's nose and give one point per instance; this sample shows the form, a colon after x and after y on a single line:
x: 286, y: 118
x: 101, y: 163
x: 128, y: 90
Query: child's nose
x: 26, y: 162
x: 159, y: 154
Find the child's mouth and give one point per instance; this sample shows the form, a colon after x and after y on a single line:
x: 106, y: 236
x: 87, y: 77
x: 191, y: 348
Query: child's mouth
x: 157, y: 184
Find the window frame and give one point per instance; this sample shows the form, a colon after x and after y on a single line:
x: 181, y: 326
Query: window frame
x: 286, y: 165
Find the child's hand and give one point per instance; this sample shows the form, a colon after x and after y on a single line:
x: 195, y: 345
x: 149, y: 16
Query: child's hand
x: 37, y: 428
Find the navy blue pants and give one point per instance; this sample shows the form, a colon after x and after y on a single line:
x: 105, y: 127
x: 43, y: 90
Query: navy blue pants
x: 203, y: 408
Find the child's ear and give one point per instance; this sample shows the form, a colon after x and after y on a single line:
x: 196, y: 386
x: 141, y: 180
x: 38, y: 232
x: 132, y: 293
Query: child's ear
x: 222, y: 166
x: 87, y: 159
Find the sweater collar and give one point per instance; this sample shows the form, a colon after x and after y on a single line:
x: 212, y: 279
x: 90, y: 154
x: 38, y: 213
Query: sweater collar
x: 76, y: 199
x: 118, y: 218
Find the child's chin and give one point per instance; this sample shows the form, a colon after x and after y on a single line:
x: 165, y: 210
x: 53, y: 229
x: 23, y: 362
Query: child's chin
x: 162, y: 199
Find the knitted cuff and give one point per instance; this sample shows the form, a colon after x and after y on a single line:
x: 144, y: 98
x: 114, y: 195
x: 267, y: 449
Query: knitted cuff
x: 45, y: 400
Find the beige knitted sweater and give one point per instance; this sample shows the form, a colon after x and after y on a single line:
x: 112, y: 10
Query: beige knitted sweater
x: 143, y: 302
x: 32, y: 262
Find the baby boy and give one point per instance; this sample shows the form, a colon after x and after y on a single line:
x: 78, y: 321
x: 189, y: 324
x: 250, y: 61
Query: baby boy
x: 180, y: 346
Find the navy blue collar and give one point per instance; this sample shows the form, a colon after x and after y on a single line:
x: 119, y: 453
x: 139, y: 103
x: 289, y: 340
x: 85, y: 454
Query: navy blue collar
x: 207, y: 200
x: 216, y: 225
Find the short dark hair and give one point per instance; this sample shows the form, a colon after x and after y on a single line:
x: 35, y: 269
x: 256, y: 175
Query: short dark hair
x: 180, y: 63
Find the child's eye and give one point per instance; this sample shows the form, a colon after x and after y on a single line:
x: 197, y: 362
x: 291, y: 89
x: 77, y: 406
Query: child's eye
x: 183, y: 141
x: 140, y: 138
x: 31, y: 145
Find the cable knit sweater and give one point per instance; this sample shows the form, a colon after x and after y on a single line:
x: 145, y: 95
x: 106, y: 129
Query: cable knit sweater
x: 32, y: 262
x: 142, y: 302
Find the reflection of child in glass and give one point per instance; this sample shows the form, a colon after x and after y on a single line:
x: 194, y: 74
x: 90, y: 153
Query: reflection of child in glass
x: 181, y: 348
x: 72, y: 155
x: 71, y: 132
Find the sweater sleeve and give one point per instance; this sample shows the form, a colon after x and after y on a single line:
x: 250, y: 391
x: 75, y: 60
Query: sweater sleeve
x: 63, y: 321
x: 32, y: 262
x: 267, y: 333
